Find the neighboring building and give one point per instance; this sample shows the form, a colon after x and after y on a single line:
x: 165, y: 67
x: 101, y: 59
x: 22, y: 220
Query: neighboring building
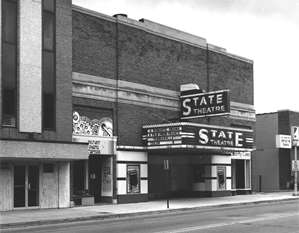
x: 271, y: 166
x: 36, y: 104
x: 121, y: 80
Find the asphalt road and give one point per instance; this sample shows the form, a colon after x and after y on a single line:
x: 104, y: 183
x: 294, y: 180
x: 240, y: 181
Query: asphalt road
x: 257, y: 218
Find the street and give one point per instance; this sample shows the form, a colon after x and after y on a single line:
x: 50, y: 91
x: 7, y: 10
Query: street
x: 274, y: 218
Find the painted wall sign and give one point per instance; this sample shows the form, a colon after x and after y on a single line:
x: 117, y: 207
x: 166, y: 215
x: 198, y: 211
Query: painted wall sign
x: 198, y: 104
x: 283, y: 141
x: 186, y: 133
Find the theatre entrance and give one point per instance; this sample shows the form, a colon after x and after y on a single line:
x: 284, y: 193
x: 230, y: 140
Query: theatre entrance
x: 95, y: 176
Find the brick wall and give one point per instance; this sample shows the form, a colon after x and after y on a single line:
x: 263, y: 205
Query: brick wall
x: 93, y: 46
x: 131, y: 118
x: 229, y: 73
x: 157, y: 61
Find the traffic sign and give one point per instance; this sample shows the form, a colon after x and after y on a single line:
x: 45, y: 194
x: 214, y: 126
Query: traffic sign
x: 295, y: 135
x: 295, y: 165
x: 283, y: 141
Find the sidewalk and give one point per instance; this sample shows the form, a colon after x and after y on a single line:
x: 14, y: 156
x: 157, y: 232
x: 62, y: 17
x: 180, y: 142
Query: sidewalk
x: 104, y: 211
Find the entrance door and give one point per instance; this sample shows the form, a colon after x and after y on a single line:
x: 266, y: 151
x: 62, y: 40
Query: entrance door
x: 19, y: 186
x: 26, y: 186
x: 33, y: 186
x: 95, y: 177
x: 240, y: 174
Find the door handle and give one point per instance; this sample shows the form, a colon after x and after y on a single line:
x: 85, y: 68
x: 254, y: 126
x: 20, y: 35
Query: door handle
x: 29, y: 186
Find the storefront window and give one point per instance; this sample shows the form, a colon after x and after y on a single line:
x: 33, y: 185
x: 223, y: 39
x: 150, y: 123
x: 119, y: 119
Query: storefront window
x: 221, y: 178
x: 133, y: 178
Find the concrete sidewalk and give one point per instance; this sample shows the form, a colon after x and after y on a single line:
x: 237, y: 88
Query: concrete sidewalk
x: 18, y: 218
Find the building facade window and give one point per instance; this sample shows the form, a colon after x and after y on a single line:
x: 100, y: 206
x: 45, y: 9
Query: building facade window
x: 133, y: 179
x: 221, y: 178
x: 9, y: 62
x: 48, y: 65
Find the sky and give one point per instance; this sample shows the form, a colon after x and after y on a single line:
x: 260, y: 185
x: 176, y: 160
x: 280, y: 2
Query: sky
x: 265, y: 31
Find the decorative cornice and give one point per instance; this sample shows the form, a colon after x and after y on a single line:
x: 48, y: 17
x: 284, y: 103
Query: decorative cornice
x: 99, y: 88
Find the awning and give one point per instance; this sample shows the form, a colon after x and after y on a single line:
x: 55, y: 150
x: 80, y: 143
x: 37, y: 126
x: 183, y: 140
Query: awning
x: 12, y: 149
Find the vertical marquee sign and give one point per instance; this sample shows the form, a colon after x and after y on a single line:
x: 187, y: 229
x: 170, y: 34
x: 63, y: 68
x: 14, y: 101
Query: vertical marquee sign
x: 197, y: 104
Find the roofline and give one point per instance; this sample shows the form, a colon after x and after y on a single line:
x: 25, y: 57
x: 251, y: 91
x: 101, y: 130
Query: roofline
x: 163, y: 31
x: 281, y: 110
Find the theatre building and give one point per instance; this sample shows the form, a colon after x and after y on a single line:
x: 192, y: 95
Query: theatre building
x: 97, y: 108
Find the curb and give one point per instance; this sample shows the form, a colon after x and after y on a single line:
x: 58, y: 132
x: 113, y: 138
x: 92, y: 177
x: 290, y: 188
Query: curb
x: 143, y: 213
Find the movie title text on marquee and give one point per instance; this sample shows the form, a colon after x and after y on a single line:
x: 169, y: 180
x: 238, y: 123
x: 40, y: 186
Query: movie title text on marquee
x: 199, y: 135
x: 205, y: 104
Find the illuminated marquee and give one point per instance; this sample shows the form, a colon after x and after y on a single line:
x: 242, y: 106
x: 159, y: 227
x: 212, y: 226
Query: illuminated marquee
x: 198, y: 135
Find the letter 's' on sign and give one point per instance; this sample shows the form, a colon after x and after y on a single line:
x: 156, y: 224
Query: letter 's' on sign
x: 197, y: 104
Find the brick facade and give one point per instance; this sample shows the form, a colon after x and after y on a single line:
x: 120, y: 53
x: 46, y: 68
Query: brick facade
x: 108, y: 48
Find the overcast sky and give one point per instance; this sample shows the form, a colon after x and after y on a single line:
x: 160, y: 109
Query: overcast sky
x: 266, y: 31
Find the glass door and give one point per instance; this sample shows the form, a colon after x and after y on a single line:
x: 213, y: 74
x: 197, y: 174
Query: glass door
x: 33, y: 186
x: 26, y: 186
x: 19, y: 186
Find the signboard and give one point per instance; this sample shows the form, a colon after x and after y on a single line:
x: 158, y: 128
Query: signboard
x: 199, y: 104
x: 295, y: 135
x: 243, y: 155
x: 283, y: 141
x: 168, y: 135
x: 95, y: 147
x: 295, y: 165
x: 186, y: 133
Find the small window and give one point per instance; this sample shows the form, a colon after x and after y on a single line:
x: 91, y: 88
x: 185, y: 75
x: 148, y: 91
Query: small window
x: 133, y: 178
x: 221, y: 178
x: 48, y: 168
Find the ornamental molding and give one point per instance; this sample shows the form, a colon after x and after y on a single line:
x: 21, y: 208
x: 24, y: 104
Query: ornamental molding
x: 105, y: 89
x: 83, y: 126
